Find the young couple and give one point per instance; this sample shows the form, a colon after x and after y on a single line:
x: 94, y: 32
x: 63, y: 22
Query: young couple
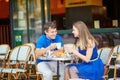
x: 91, y: 67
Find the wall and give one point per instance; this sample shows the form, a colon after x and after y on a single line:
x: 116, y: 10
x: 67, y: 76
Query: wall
x: 4, y: 9
x: 57, y: 6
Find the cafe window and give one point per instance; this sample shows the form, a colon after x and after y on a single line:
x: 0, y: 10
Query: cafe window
x: 27, y: 18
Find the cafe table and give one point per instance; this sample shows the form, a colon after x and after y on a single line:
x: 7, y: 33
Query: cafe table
x: 60, y: 58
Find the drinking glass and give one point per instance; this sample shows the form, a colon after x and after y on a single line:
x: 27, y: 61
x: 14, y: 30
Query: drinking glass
x: 58, y: 45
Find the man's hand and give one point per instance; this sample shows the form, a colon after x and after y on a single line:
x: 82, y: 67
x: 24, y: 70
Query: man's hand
x: 52, y: 46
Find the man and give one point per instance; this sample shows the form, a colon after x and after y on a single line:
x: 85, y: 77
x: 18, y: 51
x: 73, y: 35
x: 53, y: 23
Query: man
x: 45, y: 43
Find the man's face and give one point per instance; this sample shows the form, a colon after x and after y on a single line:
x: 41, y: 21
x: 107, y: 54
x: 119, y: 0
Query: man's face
x: 51, y: 33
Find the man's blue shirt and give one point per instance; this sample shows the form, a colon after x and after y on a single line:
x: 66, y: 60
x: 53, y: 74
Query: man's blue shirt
x: 44, y: 42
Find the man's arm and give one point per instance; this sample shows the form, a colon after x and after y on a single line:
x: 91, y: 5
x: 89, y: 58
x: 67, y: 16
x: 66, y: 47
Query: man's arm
x: 41, y: 51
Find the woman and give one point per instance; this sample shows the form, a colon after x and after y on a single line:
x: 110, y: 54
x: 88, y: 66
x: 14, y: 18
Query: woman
x: 91, y: 67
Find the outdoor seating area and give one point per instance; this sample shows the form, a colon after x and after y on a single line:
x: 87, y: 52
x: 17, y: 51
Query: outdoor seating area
x: 20, y: 62
x: 60, y: 40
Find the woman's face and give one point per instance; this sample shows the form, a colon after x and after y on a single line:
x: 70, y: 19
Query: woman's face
x: 75, y: 31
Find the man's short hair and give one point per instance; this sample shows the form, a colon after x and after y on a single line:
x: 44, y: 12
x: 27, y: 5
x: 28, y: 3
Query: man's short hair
x: 49, y: 25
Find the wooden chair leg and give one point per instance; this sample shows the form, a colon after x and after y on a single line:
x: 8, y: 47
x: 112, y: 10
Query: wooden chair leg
x: 30, y: 69
x: 9, y: 76
x: 115, y: 71
x: 41, y: 75
x: 38, y: 77
x: 2, y: 75
x: 27, y: 75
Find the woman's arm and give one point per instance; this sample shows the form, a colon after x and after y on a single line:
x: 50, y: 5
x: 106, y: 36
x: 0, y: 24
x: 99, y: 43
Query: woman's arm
x: 89, y: 52
x: 86, y: 57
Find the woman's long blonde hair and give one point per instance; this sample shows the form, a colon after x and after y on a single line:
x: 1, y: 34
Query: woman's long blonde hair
x: 84, y: 35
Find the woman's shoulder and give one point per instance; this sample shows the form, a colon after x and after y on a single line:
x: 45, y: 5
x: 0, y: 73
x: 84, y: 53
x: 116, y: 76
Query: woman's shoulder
x: 91, y: 43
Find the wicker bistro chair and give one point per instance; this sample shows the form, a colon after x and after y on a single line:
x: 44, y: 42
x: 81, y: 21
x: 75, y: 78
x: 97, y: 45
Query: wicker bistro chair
x: 4, y: 52
x: 31, y: 62
x: 117, y: 65
x: 105, y: 54
x: 19, y: 55
x: 116, y: 50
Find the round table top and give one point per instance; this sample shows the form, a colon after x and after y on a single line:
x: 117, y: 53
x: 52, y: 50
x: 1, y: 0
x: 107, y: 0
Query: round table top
x: 55, y: 58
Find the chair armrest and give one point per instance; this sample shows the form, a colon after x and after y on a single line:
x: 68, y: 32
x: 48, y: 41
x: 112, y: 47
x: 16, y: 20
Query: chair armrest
x: 106, y: 69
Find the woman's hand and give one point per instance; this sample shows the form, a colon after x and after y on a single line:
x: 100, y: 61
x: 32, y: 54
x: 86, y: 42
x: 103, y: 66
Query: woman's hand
x: 70, y: 50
